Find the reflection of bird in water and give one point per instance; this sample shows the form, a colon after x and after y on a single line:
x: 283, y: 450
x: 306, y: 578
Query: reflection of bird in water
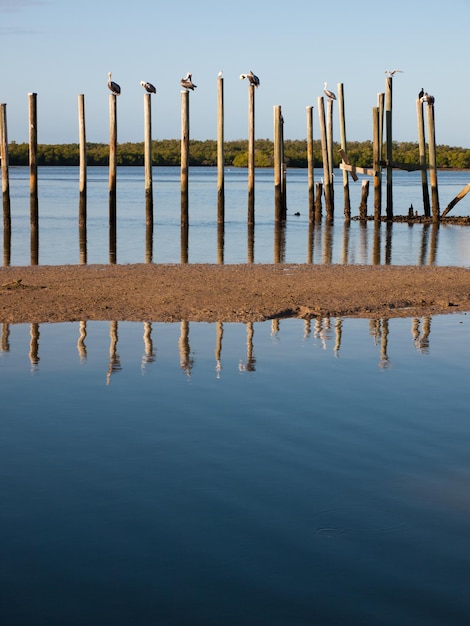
x: 252, y: 78
x: 421, y: 93
x: 392, y: 72
x: 113, y: 87
x: 187, y: 82
x: 149, y: 88
x: 329, y: 94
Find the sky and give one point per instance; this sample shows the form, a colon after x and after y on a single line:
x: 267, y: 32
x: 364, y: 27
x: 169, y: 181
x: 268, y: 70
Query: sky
x: 62, y: 48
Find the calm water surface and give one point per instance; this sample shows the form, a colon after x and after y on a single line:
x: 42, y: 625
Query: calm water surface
x: 276, y: 473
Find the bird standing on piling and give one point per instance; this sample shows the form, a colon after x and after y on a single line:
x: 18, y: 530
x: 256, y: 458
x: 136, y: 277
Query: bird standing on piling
x: 428, y: 98
x: 113, y: 87
x: 252, y: 78
x: 392, y: 73
x: 149, y: 88
x: 421, y: 93
x: 329, y: 94
x: 187, y: 82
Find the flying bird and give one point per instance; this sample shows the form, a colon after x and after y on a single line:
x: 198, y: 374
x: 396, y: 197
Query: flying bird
x: 252, y: 78
x: 329, y: 94
x: 187, y: 82
x: 114, y: 87
x: 149, y: 88
x: 421, y: 93
x: 392, y: 72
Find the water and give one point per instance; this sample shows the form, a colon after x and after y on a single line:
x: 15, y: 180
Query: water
x: 58, y: 220
x: 260, y: 474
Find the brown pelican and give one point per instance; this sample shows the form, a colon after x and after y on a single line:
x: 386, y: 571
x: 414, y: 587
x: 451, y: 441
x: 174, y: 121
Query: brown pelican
x: 114, y: 87
x: 149, y: 88
x: 428, y: 98
x: 253, y: 79
x: 392, y: 72
x: 329, y: 94
x: 187, y: 82
x: 421, y: 93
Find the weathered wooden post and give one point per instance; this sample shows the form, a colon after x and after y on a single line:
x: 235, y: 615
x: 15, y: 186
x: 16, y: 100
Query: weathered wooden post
x: 112, y: 177
x: 433, y: 163
x: 82, y: 210
x: 318, y: 201
x: 148, y: 177
x: 364, y: 197
x: 310, y: 165
x: 33, y: 178
x: 278, y: 212
x: 376, y: 163
x: 329, y: 208
x: 220, y: 152
x: 283, y: 173
x: 251, y: 154
x: 184, y: 157
x: 329, y: 143
x: 422, y: 158
x: 388, y: 128
x: 342, y: 131
x: 5, y: 185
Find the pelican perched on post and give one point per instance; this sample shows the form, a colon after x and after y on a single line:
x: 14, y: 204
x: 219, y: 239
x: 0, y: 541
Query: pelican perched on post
x: 149, y: 88
x: 392, y: 73
x: 252, y: 78
x: 329, y: 94
x: 428, y: 98
x: 114, y: 87
x: 187, y: 82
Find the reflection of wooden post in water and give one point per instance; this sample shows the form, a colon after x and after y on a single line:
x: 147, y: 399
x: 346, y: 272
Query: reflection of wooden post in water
x: 325, y: 157
x: 311, y: 229
x: 384, y: 360
x: 114, y: 358
x: 33, y: 178
x: 342, y: 131
x: 275, y: 327
x: 251, y: 243
x: 149, y: 353
x: 5, y: 338
x: 81, y: 347
x: 388, y: 243
x: 220, y: 152
x: 423, y: 251
x: 310, y: 165
x: 220, y: 242
x: 279, y: 242
x: 422, y: 157
x: 421, y: 340
x: 327, y: 243
x: 34, y: 345
x: 376, y: 163
x: 377, y: 243
x: 249, y: 366
x: 388, y: 128
x: 346, y: 232
x: 82, y: 187
x: 318, y: 197
x: 4, y: 159
x: 251, y: 154
x: 434, y: 238
x: 433, y: 163
x: 186, y: 362
x: 184, y: 235
x: 218, y: 348
x: 112, y: 176
x: 148, y: 176
x: 363, y: 241
x: 184, y: 158
x: 338, y: 335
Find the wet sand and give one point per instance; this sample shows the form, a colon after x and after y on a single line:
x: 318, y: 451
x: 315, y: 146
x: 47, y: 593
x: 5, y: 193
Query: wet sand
x: 230, y: 293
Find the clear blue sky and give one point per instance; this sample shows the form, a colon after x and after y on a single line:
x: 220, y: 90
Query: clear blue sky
x: 60, y: 48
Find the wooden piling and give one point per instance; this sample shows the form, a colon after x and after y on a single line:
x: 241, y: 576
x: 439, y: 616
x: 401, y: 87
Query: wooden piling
x: 33, y: 178
x: 112, y: 177
x: 251, y: 154
x: 184, y: 158
x: 310, y: 165
x: 422, y: 158
x: 364, y: 197
x: 433, y: 163
x: 148, y: 145
x: 388, y: 130
x: 376, y: 163
x: 277, y: 164
x: 5, y: 185
x: 82, y: 209
x: 342, y: 131
x: 318, y: 201
x: 220, y: 152
x: 329, y: 208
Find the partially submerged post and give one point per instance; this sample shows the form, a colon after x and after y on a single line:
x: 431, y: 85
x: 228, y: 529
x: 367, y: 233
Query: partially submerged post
x: 148, y: 176
x: 342, y: 131
x: 5, y: 185
x: 33, y: 178
x: 251, y: 154
x: 376, y: 163
x: 220, y: 151
x: 112, y: 176
x: 388, y: 129
x: 278, y: 201
x: 433, y: 162
x: 310, y: 165
x: 184, y: 157
x: 329, y: 208
x: 82, y: 210
x: 422, y: 157
x: 364, y: 197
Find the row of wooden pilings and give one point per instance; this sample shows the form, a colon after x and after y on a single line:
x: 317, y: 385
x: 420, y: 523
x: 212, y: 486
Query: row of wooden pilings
x: 315, y: 190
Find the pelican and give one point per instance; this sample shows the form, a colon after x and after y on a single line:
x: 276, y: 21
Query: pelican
x: 421, y: 93
x: 114, y: 87
x: 428, y: 98
x: 329, y: 94
x: 187, y: 82
x: 149, y: 88
x: 253, y: 79
x: 392, y: 72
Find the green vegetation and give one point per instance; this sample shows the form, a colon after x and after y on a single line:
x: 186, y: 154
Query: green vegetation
x: 167, y: 152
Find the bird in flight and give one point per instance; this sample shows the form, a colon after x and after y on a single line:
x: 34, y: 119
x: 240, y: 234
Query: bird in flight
x: 393, y: 72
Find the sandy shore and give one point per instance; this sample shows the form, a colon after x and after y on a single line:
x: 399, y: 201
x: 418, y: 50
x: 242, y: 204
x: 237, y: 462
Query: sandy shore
x: 241, y: 293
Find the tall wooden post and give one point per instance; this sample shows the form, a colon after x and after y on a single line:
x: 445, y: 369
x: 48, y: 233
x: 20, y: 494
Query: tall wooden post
x: 433, y: 163
x: 112, y: 177
x: 422, y: 158
x: 33, y: 178
x: 277, y: 164
x: 184, y: 158
x: 82, y: 210
x: 388, y: 127
x: 310, y: 165
x: 325, y: 156
x: 251, y: 154
x: 376, y: 164
x: 148, y: 176
x: 220, y: 152
x: 5, y: 185
x: 342, y: 131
